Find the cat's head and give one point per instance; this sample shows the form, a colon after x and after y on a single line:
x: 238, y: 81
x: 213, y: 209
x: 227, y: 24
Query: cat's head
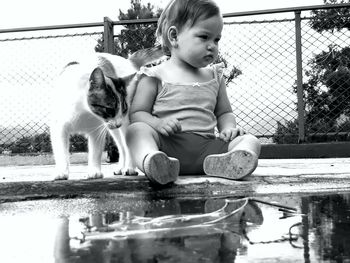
x: 107, y: 98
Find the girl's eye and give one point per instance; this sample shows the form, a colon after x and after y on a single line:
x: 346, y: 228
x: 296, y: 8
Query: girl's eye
x: 217, y: 40
x: 204, y: 37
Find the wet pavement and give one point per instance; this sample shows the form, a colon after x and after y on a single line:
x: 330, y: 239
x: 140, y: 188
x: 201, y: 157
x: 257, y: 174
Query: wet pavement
x: 79, y: 220
x: 282, y: 176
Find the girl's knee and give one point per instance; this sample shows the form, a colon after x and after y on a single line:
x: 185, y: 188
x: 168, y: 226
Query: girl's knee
x: 253, y: 143
x: 139, y: 129
x: 252, y: 138
x: 246, y: 138
x: 246, y: 142
x: 136, y: 128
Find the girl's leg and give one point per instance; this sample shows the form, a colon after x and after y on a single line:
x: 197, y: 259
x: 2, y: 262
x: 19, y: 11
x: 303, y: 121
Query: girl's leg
x: 245, y: 142
x: 143, y: 142
x: 240, y: 160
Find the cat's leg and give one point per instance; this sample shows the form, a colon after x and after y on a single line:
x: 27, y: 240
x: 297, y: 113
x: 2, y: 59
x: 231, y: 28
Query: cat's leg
x: 125, y: 165
x: 60, y: 147
x: 96, y: 143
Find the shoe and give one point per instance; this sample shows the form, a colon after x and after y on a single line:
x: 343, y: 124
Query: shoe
x: 161, y: 169
x: 231, y: 165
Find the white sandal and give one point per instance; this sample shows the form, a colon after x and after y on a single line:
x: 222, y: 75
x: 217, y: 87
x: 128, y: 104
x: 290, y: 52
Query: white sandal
x: 161, y: 169
x: 231, y: 165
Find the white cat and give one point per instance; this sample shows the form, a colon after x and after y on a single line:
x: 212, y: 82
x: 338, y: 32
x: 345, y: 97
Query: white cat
x: 92, y: 97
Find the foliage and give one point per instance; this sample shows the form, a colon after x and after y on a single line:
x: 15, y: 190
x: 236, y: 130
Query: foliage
x: 286, y: 133
x: 232, y: 74
x: 331, y: 19
x: 112, y: 150
x: 41, y: 143
x: 32, y: 144
x: 318, y: 132
x: 134, y: 36
x: 326, y: 92
x: 22, y: 145
x: 78, y: 143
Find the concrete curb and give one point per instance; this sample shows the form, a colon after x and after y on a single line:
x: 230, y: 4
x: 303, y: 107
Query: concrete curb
x: 271, y: 177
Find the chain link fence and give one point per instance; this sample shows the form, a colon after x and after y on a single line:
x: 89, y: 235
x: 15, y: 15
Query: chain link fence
x: 264, y: 51
x: 326, y: 64
x: 268, y: 97
x: 29, y: 66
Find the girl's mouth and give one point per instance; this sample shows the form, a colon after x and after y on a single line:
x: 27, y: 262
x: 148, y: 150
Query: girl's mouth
x: 209, y: 57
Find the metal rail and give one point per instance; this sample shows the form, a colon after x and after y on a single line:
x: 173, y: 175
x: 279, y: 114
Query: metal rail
x: 153, y: 20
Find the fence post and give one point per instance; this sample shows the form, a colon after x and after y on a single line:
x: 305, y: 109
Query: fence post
x: 299, y: 65
x: 108, y: 35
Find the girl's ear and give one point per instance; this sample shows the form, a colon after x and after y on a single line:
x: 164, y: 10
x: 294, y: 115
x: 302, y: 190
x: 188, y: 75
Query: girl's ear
x: 172, y: 36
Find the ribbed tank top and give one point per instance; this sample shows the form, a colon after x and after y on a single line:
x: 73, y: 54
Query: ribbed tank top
x: 192, y: 104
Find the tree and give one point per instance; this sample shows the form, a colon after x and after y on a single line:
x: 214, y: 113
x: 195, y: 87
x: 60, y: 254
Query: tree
x: 134, y: 36
x: 327, y: 89
x: 331, y: 19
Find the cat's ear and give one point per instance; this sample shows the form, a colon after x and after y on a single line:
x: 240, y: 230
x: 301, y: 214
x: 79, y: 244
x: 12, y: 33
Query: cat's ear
x: 97, y: 79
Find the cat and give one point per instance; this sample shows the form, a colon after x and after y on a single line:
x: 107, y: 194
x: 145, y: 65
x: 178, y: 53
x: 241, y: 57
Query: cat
x: 92, y: 97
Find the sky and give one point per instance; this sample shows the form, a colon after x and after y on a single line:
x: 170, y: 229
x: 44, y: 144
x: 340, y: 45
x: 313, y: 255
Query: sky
x: 31, y: 13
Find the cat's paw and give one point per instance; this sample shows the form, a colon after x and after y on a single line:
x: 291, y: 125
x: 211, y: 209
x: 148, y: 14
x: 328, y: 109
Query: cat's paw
x: 60, y: 176
x: 118, y: 169
x: 126, y: 171
x: 129, y: 171
x: 95, y: 175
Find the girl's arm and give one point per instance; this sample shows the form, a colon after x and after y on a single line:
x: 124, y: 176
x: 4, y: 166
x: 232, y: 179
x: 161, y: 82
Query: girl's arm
x: 142, y: 105
x: 226, y: 121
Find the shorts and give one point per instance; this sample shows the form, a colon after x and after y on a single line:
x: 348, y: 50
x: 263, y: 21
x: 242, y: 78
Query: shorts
x: 191, y: 149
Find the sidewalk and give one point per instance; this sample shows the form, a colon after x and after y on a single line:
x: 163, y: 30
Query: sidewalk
x: 273, y: 176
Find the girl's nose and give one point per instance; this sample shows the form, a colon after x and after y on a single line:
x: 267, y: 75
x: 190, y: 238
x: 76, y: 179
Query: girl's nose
x: 212, y: 46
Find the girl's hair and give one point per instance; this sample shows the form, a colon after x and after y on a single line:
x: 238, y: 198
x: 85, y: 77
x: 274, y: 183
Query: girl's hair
x: 180, y: 13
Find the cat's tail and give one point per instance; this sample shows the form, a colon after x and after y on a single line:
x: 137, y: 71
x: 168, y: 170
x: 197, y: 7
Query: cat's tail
x: 147, y: 56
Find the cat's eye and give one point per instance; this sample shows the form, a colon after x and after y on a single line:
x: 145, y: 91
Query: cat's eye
x: 103, y: 111
x: 110, y: 111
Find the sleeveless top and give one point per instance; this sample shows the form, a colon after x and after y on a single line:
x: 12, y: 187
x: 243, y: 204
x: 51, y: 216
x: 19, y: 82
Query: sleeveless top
x: 192, y: 104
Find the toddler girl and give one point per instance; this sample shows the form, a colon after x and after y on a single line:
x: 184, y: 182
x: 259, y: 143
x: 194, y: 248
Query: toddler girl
x: 179, y: 103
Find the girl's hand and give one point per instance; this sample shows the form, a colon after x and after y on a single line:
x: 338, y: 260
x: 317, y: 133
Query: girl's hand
x: 168, y: 126
x: 229, y: 134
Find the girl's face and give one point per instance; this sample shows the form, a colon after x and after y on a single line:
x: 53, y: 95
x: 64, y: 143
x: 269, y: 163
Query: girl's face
x: 198, y: 45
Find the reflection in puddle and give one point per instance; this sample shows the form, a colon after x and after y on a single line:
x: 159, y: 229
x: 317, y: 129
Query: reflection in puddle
x: 212, y: 236
x: 177, y: 230
x: 132, y: 226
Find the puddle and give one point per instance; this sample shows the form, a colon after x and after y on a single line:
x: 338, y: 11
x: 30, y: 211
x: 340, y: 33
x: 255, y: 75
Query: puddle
x: 177, y: 230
